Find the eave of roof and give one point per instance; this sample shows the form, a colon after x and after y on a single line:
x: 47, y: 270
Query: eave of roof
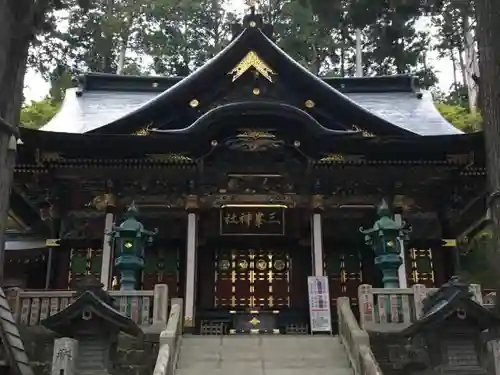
x: 108, y: 145
x: 97, y: 108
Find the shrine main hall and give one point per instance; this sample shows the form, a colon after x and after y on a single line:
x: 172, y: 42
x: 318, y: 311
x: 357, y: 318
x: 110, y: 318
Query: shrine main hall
x: 252, y: 174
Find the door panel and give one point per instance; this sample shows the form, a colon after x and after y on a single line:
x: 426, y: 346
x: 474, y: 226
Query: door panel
x: 252, y: 279
x: 344, y: 272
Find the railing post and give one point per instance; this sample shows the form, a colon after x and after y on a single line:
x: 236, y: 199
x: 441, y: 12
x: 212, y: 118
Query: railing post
x: 366, y: 305
x: 477, y: 295
x: 160, y: 305
x: 419, y: 294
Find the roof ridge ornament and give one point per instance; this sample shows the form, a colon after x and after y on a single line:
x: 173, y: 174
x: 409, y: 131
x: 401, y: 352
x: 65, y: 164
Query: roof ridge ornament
x: 253, y: 5
x: 252, y: 60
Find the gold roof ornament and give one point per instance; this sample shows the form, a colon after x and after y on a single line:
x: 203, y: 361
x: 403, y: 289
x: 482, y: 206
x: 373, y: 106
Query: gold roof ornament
x: 143, y: 131
x: 252, y: 60
x: 365, y: 133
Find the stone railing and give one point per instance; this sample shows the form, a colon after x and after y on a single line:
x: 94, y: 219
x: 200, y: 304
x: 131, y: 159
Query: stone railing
x: 170, y: 341
x: 144, y: 307
x: 390, y: 310
x: 355, y: 340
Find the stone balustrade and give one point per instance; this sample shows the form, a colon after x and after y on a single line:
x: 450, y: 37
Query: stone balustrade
x: 170, y: 340
x: 393, y: 309
x: 144, y: 307
x: 355, y: 340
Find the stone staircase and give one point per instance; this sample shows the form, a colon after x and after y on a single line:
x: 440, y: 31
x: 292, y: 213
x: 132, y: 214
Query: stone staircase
x: 262, y: 355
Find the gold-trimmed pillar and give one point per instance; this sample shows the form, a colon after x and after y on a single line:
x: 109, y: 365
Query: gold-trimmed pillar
x: 49, y: 213
x: 317, y: 236
x: 107, y: 245
x: 191, y: 261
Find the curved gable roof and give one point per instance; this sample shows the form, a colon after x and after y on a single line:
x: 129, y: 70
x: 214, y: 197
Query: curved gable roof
x: 119, y: 112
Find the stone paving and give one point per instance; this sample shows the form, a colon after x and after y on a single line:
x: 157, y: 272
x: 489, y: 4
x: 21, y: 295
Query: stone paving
x: 262, y: 355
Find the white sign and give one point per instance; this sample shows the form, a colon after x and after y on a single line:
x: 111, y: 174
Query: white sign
x: 319, y: 304
x: 64, y: 358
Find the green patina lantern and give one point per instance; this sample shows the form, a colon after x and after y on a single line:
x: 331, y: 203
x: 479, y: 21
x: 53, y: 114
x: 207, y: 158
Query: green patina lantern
x: 385, y: 240
x: 130, y: 240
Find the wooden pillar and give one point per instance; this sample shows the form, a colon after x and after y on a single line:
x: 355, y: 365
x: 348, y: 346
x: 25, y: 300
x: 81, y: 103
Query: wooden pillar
x: 50, y: 214
x: 402, y: 274
x: 317, y: 236
x: 8, y: 148
x: 107, y: 245
x: 191, y: 261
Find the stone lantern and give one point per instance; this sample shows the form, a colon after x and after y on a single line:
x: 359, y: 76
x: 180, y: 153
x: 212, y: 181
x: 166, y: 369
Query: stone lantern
x: 385, y: 240
x: 130, y: 240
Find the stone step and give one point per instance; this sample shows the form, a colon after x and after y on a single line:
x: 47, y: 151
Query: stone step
x: 263, y: 371
x: 266, y: 355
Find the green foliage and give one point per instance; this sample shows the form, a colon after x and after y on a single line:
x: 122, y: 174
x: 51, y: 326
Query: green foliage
x: 476, y: 263
x: 180, y: 36
x: 36, y: 114
x: 460, y: 117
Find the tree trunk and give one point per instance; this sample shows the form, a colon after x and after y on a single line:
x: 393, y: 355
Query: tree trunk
x: 15, y: 36
x: 18, y: 20
x: 488, y: 35
x: 7, y: 162
x: 462, y: 67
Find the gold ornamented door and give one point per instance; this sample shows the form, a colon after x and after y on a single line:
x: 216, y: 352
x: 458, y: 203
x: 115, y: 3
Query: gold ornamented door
x: 254, y: 278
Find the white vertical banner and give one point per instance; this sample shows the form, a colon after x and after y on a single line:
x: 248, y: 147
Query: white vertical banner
x: 319, y: 304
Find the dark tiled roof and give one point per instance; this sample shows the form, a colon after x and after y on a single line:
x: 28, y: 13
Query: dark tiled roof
x: 11, y: 340
x: 94, y: 109
x: 404, y: 109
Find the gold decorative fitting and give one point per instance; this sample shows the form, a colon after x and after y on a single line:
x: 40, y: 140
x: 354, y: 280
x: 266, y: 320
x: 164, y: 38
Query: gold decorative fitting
x: 191, y: 202
x: 338, y: 158
x: 170, y: 158
x: 155, y: 84
x: 101, y: 202
x: 143, y: 131
x: 252, y: 60
x: 254, y: 321
x: 317, y: 202
x: 309, y: 104
x: 51, y: 156
x: 194, y: 103
x: 256, y: 91
x: 364, y: 132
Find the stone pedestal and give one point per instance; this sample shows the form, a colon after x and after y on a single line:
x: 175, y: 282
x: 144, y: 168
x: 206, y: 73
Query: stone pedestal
x: 64, y: 358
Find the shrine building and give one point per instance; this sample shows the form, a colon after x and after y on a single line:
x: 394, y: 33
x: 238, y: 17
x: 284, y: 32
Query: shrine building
x: 253, y: 173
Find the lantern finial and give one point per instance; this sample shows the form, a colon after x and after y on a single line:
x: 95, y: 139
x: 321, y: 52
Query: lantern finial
x: 383, y: 209
x: 132, y: 211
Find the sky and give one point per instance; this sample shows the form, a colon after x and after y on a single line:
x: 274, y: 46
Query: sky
x: 36, y: 88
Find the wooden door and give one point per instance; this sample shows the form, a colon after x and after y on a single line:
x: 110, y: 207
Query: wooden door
x: 343, y: 266
x: 252, y: 278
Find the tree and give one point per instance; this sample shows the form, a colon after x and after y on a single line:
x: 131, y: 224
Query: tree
x: 488, y: 35
x: 36, y: 114
x: 460, y: 117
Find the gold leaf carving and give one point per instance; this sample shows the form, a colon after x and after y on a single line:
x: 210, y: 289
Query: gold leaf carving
x: 252, y: 60
x: 364, y: 132
x: 170, y: 157
x: 143, y: 131
x: 333, y: 158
